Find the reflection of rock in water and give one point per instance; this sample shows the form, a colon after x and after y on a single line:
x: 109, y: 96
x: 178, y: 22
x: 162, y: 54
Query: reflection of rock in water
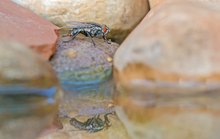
x: 29, y: 92
x: 89, y: 101
x: 96, y: 110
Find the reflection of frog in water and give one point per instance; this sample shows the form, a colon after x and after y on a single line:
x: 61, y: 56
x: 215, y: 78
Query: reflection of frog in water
x: 93, y: 124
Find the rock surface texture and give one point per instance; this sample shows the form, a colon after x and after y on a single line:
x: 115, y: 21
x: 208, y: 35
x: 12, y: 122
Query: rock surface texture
x: 167, y: 74
x: 79, y: 62
x: 22, y: 25
x: 120, y: 15
x: 170, y: 46
x: 29, y: 92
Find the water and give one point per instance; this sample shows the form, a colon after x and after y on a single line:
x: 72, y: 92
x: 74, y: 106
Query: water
x: 25, y: 112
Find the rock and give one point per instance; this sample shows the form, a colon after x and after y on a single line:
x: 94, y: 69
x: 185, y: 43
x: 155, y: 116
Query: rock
x: 22, y: 25
x: 180, y: 47
x: 120, y: 15
x: 29, y: 92
x: 167, y: 74
x: 153, y: 3
x: 79, y: 62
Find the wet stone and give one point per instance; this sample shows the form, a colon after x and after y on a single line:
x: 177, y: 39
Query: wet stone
x: 29, y: 92
x: 79, y: 62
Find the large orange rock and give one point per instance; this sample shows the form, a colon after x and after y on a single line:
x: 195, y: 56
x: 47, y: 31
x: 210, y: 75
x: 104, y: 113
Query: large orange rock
x: 22, y: 25
x: 180, y: 43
